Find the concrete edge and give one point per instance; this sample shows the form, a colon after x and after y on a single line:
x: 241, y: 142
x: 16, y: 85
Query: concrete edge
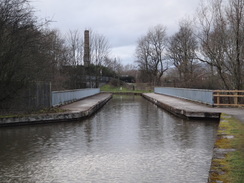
x: 122, y: 93
x: 177, y: 112
x: 53, y: 117
x: 183, y: 113
x: 216, y: 171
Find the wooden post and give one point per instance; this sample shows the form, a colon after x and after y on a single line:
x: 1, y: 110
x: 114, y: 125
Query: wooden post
x: 236, y: 98
x: 218, y: 98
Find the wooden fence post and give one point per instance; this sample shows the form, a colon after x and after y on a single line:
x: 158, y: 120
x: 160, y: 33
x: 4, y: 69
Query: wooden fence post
x: 218, y: 98
x: 235, y: 98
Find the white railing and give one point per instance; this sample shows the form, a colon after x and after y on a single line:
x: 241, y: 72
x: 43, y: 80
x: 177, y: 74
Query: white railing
x: 67, y: 96
x: 198, y: 95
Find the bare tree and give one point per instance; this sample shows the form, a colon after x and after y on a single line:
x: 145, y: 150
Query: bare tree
x: 29, y: 53
x: 182, y: 47
x: 57, y: 54
x: 99, y: 52
x: 75, y: 45
x: 150, y: 53
x: 100, y: 48
x: 20, y: 40
x: 235, y: 19
x: 221, y: 37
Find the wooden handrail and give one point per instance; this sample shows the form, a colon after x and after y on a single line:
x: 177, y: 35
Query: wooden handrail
x: 228, y: 95
x: 235, y: 94
x: 224, y: 91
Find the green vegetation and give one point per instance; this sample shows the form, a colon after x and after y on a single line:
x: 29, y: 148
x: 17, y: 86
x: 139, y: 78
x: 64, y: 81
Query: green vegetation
x: 231, y: 167
x: 42, y: 111
x: 10, y: 116
x: 121, y: 89
x: 51, y: 110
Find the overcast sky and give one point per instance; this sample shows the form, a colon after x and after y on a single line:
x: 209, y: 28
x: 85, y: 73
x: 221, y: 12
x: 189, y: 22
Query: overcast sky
x: 121, y: 22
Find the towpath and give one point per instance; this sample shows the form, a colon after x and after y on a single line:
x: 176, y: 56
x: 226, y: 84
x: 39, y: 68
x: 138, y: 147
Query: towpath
x: 74, y: 111
x: 190, y: 109
x: 87, y: 104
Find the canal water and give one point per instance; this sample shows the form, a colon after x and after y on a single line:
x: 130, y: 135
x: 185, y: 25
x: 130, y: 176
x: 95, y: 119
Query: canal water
x: 128, y: 140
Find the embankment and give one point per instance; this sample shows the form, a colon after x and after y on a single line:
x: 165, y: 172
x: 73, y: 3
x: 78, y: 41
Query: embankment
x: 228, y: 156
x: 74, y: 111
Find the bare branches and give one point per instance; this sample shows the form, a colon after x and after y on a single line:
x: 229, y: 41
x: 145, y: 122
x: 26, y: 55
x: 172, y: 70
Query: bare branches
x: 182, y: 51
x: 28, y: 52
x: 75, y: 47
x: 221, y: 38
x: 100, y: 48
x: 150, y: 53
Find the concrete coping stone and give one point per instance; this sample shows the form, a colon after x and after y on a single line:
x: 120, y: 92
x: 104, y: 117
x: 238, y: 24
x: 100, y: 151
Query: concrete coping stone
x: 95, y: 102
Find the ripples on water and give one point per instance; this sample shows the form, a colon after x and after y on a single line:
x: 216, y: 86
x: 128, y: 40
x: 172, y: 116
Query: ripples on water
x: 129, y: 140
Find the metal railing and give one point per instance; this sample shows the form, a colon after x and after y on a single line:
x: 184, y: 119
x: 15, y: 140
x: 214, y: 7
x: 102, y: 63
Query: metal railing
x: 233, y: 98
x: 218, y: 98
x: 197, y: 95
x: 67, y: 96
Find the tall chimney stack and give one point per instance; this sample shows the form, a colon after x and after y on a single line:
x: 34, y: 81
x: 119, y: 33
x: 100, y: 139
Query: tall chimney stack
x: 87, y: 56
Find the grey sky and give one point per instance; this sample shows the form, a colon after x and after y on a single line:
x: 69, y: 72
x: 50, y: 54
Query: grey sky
x: 121, y: 22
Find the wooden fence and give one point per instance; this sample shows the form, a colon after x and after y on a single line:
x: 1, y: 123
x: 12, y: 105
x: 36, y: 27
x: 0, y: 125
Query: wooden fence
x: 233, y: 98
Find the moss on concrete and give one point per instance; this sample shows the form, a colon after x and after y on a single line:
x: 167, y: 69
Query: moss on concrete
x: 42, y: 111
x: 228, y: 160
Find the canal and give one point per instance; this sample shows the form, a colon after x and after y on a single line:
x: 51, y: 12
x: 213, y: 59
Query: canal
x: 128, y: 140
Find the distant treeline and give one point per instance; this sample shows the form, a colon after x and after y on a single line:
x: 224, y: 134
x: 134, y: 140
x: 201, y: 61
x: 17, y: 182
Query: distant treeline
x: 206, y: 52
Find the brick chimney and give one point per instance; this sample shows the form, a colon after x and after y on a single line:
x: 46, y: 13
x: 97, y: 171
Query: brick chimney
x: 87, y: 56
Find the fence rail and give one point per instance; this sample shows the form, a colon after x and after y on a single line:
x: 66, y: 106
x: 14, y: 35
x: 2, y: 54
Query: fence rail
x: 234, y: 98
x: 218, y: 98
x: 197, y: 95
x: 63, y: 97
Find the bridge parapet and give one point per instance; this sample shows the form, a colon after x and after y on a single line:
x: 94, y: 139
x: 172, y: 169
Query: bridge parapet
x: 230, y: 98
x: 68, y: 96
x: 197, y: 95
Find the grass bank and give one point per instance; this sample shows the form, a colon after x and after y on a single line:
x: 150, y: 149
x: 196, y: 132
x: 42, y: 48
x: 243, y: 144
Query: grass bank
x: 122, y: 89
x: 42, y: 111
x: 228, y: 160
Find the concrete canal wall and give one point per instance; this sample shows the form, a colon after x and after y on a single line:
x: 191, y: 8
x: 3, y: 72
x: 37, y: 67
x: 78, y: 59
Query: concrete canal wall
x: 227, y: 162
x: 83, y: 108
x: 182, y: 108
x: 197, y: 95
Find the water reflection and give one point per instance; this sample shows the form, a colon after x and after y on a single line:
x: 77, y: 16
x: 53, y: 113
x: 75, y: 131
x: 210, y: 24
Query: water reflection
x: 129, y: 140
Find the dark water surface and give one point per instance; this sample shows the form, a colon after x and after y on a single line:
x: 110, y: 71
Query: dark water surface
x: 129, y: 140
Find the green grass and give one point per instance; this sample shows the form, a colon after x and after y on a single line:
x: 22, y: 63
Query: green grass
x: 42, y: 111
x: 11, y: 116
x: 51, y: 110
x: 110, y: 88
x: 233, y: 163
x: 236, y: 159
x: 236, y: 166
